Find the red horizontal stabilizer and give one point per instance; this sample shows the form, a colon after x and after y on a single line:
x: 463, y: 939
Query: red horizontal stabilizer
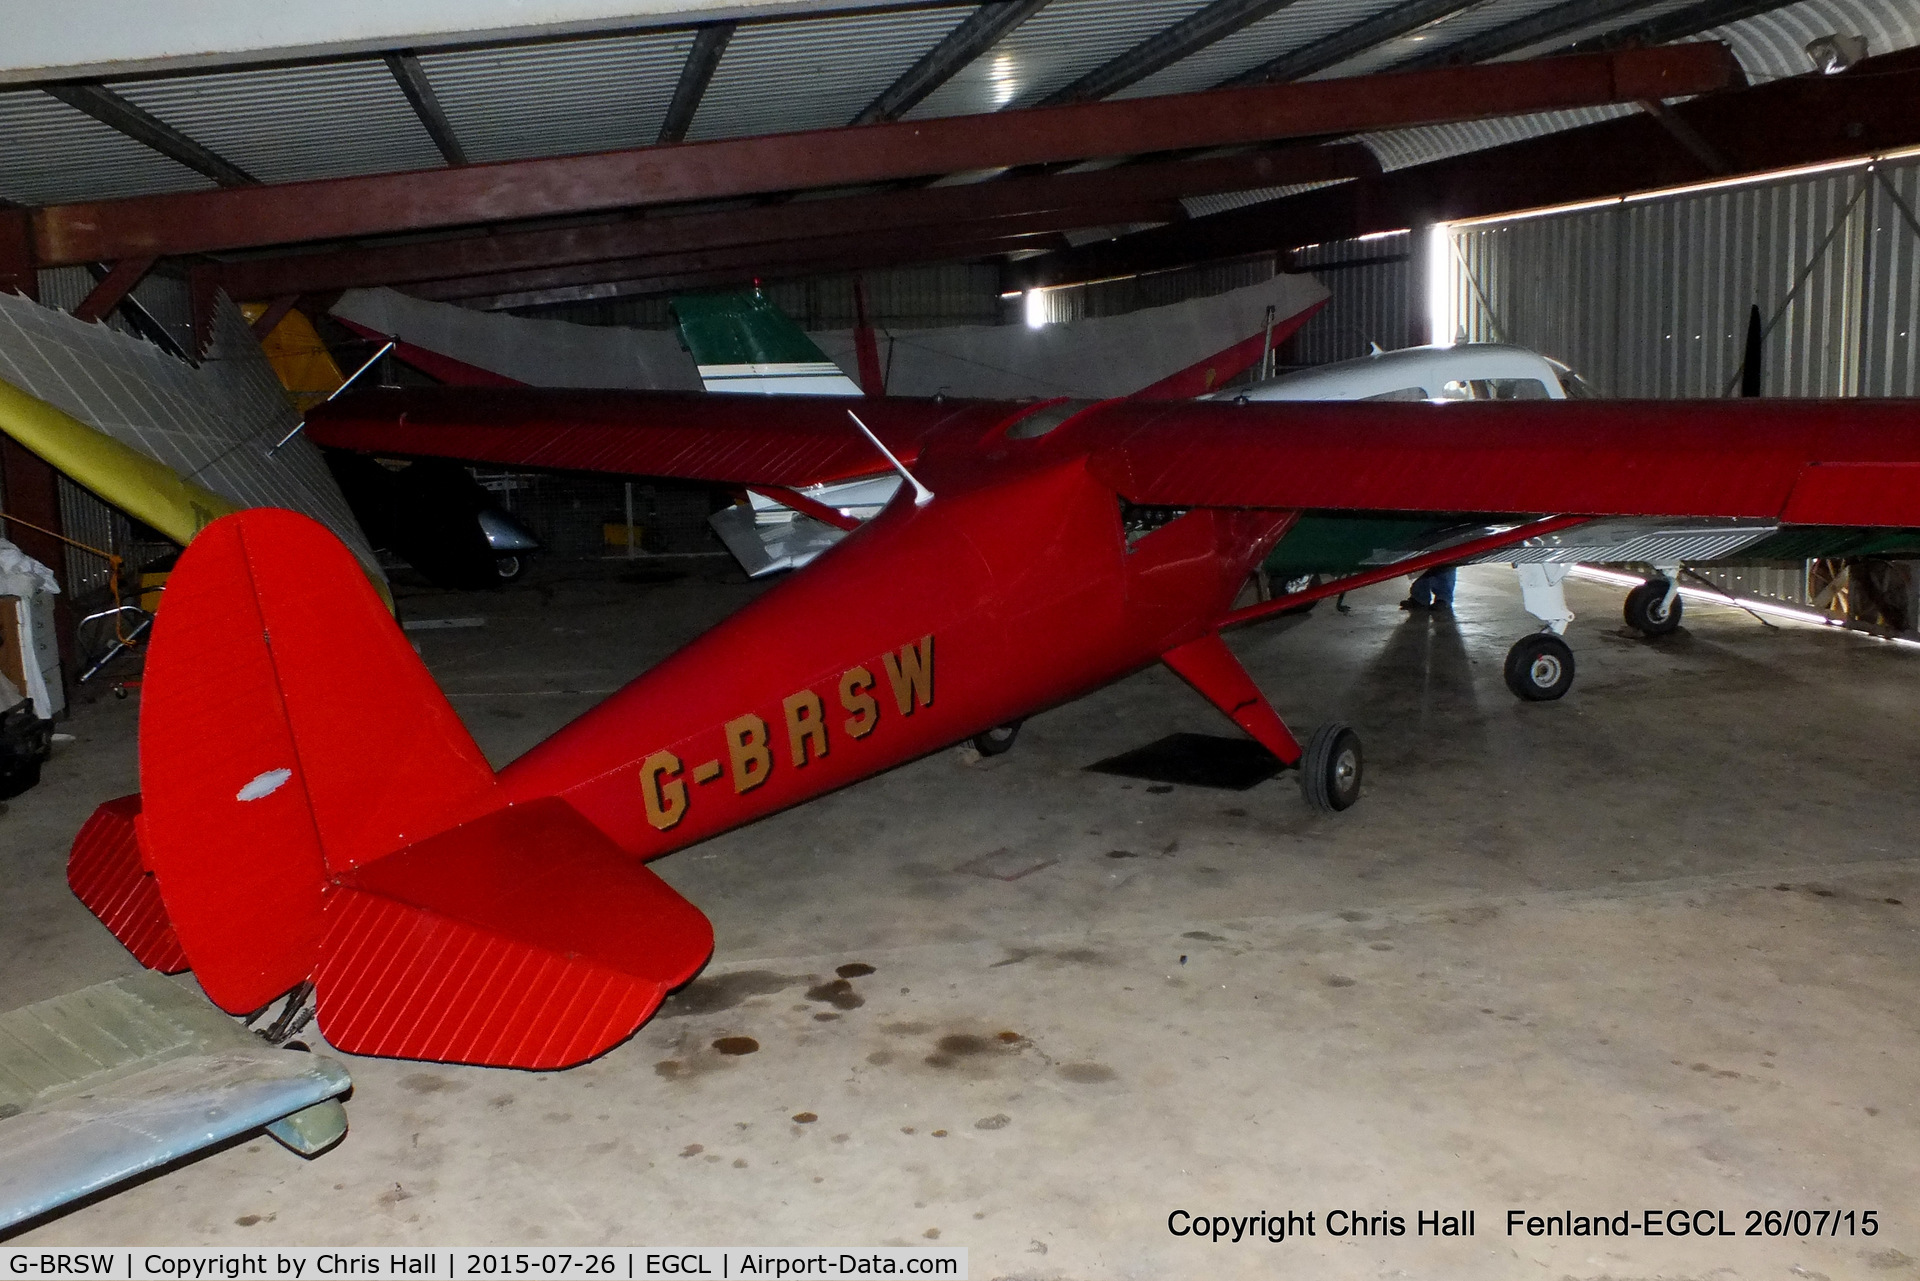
x: 105, y: 873
x: 522, y: 939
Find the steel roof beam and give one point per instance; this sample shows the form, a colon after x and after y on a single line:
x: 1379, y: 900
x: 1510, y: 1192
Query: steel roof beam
x: 984, y: 28
x: 112, y: 286
x: 1678, y: 25
x: 1785, y: 123
x: 932, y: 207
x: 1332, y: 50
x: 110, y: 109
x: 379, y: 204
x: 855, y: 248
x: 724, y: 276
x: 709, y: 42
x: 1159, y: 51
x: 413, y: 82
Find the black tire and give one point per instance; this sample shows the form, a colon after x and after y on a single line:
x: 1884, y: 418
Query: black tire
x: 1330, y: 771
x: 1540, y: 667
x: 509, y: 567
x: 996, y: 740
x: 1647, y: 611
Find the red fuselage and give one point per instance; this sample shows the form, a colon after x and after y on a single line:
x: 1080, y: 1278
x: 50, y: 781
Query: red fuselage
x: 1015, y: 589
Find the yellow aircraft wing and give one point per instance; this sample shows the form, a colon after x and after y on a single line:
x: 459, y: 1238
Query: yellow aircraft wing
x: 121, y: 475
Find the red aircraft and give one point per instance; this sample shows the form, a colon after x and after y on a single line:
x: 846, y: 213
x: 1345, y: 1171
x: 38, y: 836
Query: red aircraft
x: 313, y: 811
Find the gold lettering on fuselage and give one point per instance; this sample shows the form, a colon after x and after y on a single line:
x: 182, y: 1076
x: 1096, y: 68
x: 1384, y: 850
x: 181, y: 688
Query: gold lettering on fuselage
x: 855, y: 698
x: 805, y: 725
x: 662, y: 790
x: 911, y: 675
x: 747, y: 745
x: 663, y: 786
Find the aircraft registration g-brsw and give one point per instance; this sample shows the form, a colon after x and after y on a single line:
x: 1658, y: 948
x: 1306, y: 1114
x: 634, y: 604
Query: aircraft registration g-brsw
x: 313, y: 811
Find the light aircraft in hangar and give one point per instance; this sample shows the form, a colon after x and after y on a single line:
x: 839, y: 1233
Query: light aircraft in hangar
x: 743, y: 343
x: 312, y: 811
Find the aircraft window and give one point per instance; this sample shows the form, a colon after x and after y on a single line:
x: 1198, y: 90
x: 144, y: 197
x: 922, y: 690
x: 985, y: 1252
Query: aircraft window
x: 1495, y: 389
x: 1404, y: 393
x: 1512, y: 389
x: 1045, y: 419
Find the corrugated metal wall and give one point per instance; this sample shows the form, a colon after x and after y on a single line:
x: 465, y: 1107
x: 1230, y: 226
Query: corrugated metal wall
x: 1377, y: 298
x: 1650, y: 298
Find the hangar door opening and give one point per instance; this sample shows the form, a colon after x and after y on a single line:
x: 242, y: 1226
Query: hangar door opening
x: 1651, y: 297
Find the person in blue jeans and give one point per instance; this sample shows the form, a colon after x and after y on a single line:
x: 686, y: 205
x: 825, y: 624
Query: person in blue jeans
x: 1432, y: 590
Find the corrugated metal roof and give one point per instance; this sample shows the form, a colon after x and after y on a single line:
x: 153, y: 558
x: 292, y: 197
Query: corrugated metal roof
x: 1401, y: 148
x: 559, y: 98
x: 1440, y: 34
x: 51, y: 153
x: 1641, y: 13
x: 1201, y: 206
x: 281, y: 124
x: 1296, y: 25
x: 571, y: 95
x: 816, y: 74
x: 1774, y: 44
x: 1049, y: 51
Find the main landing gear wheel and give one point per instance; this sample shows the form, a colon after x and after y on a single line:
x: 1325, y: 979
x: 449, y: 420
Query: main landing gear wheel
x: 1647, y: 610
x: 1540, y: 667
x: 1330, y: 770
x: 996, y: 740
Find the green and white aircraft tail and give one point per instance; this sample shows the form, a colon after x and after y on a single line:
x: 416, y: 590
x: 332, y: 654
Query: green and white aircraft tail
x: 743, y: 343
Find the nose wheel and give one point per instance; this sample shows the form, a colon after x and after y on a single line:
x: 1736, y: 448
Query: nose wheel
x: 1331, y: 768
x: 1540, y: 667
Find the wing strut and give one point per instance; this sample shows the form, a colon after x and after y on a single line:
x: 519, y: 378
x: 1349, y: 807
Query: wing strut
x: 1210, y: 667
x: 1411, y: 565
x: 921, y: 494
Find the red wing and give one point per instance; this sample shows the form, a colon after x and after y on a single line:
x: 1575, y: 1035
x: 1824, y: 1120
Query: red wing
x: 742, y: 440
x: 1844, y: 462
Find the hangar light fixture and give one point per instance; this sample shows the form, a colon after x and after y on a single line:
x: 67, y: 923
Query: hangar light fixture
x: 1834, y: 53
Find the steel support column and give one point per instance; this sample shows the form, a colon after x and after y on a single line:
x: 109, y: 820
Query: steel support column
x: 17, y: 268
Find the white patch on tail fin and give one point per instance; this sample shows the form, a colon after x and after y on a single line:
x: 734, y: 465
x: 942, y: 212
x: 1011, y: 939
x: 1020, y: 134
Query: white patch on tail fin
x: 263, y: 784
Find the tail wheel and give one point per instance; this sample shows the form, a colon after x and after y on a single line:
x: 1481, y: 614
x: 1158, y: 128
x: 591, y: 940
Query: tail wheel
x: 1647, y: 610
x: 1330, y: 771
x: 996, y: 740
x: 509, y: 567
x: 1540, y: 667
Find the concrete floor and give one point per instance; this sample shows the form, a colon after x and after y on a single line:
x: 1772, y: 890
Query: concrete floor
x: 1650, y: 947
